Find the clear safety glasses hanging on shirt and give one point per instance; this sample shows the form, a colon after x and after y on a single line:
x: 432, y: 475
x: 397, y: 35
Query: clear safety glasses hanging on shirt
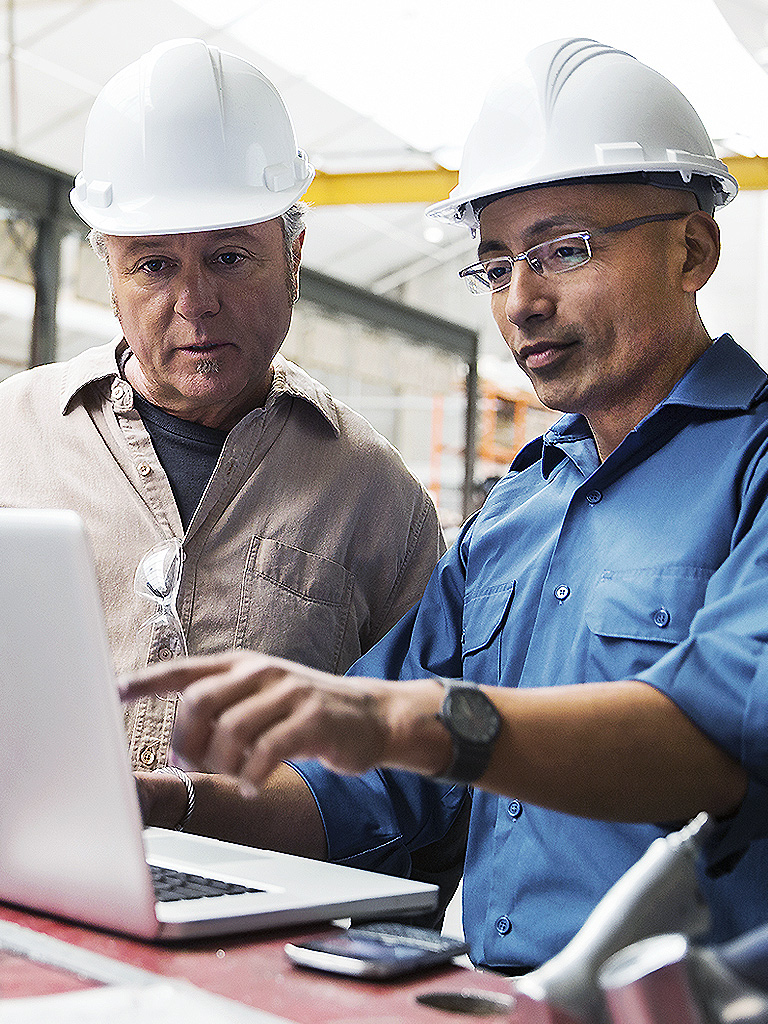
x: 158, y: 578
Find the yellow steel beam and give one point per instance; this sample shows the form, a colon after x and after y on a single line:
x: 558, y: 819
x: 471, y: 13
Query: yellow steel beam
x: 430, y: 186
x: 749, y: 171
x: 381, y: 187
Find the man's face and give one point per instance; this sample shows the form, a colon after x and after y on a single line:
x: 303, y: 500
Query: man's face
x: 204, y: 314
x: 610, y: 338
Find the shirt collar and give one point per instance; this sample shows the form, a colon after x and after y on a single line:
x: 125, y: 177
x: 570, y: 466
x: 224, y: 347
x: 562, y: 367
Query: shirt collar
x: 103, y: 364
x: 89, y: 367
x: 724, y: 378
x: 291, y: 380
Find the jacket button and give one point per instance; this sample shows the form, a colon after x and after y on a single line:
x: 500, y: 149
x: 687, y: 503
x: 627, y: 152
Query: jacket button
x: 562, y: 592
x: 148, y: 756
x: 661, y: 617
x: 514, y: 809
x: 504, y: 926
x: 121, y: 394
x: 593, y: 497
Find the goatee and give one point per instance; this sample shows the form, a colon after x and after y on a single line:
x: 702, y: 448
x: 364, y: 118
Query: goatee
x: 208, y: 367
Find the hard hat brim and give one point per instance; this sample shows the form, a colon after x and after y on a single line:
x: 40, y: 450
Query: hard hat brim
x: 187, y: 212
x: 457, y: 208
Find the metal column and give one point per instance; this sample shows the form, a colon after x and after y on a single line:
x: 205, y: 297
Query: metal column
x: 47, y: 261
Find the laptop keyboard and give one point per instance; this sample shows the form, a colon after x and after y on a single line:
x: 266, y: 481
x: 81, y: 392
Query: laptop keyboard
x: 181, y: 885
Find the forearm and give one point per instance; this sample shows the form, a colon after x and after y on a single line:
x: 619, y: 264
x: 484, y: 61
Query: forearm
x: 617, y: 750
x: 281, y: 815
x: 614, y: 751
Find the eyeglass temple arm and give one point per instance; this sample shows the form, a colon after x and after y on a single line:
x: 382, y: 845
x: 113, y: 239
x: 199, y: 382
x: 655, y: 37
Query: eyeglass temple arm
x: 627, y: 225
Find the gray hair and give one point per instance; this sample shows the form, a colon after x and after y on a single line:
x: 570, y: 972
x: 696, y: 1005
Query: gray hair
x: 294, y: 221
x: 99, y: 245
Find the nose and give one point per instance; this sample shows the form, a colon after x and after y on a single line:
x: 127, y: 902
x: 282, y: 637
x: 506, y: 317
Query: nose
x: 196, y: 296
x: 528, y: 298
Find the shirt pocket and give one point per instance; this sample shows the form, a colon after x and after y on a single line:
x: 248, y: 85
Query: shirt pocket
x: 483, y: 626
x: 634, y: 617
x: 297, y: 604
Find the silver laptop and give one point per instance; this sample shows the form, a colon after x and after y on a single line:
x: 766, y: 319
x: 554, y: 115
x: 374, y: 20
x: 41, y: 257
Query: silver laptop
x: 71, y: 837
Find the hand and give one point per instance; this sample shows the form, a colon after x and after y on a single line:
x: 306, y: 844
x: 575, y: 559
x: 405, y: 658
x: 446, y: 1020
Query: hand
x: 243, y: 713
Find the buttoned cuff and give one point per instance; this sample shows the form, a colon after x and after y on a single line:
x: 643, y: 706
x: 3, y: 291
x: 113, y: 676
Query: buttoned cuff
x: 373, y: 821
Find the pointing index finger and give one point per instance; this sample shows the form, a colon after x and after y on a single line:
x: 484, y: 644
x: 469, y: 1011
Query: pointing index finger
x: 166, y: 678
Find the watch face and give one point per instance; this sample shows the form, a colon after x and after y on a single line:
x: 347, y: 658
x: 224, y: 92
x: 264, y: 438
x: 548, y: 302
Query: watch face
x: 472, y: 715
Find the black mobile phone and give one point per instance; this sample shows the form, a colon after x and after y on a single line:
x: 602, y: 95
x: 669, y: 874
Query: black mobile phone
x: 382, y: 950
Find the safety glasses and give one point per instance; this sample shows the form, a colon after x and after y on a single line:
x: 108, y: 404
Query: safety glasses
x: 158, y: 578
x: 557, y: 256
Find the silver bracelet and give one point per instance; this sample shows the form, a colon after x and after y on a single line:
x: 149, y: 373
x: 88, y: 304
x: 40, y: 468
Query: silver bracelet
x: 190, y: 795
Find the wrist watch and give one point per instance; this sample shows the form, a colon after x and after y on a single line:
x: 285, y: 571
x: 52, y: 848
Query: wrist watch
x: 473, y: 722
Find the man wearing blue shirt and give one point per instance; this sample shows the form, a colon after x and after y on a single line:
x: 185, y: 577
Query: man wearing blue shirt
x: 610, y: 596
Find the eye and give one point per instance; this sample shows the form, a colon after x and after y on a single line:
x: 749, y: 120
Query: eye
x: 154, y: 265
x: 230, y: 258
x: 497, y: 271
x: 567, y: 252
x: 563, y: 253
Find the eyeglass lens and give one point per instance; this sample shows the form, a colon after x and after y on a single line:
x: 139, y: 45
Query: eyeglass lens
x: 553, y: 257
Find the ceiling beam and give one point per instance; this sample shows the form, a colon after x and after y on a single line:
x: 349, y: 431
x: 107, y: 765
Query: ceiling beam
x: 427, y: 186
x: 430, y: 186
x: 38, y: 191
x: 751, y: 172
x: 43, y: 191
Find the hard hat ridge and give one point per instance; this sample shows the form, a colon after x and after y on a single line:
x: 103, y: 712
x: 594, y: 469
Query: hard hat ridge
x: 568, y: 58
x: 579, y: 109
x: 188, y: 138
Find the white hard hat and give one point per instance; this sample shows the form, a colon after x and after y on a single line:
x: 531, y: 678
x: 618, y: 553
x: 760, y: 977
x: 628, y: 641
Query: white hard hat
x: 188, y: 138
x: 575, y: 109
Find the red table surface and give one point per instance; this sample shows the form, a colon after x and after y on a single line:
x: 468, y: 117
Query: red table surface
x: 254, y: 970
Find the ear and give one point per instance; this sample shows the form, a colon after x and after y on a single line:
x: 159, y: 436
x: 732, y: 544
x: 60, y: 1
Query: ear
x: 702, y: 243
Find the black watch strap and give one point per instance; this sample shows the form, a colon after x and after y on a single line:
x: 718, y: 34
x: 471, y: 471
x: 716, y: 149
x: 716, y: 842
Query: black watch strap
x: 473, y: 722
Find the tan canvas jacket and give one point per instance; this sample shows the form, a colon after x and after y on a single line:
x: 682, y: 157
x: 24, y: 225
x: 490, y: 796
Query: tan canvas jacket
x: 311, y: 540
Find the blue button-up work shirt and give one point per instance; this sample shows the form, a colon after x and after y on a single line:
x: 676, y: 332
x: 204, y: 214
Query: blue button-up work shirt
x: 652, y: 566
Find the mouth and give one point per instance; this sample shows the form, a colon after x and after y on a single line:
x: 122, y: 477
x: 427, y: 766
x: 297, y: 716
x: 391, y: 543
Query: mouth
x: 205, y: 349
x: 543, y: 354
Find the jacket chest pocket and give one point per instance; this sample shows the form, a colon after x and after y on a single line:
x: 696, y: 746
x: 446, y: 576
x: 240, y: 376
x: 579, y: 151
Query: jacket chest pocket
x: 634, y: 617
x: 298, y: 605
x: 483, y: 627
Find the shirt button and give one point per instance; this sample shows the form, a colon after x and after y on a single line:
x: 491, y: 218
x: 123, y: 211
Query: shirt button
x: 165, y: 654
x: 514, y: 809
x: 148, y: 756
x: 144, y: 468
x: 562, y: 592
x: 661, y: 617
x: 504, y: 926
x: 593, y: 497
x: 122, y: 395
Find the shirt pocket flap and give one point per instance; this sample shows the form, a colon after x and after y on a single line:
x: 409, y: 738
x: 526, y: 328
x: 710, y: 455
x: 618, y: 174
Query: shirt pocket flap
x: 484, y: 615
x: 647, y: 604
